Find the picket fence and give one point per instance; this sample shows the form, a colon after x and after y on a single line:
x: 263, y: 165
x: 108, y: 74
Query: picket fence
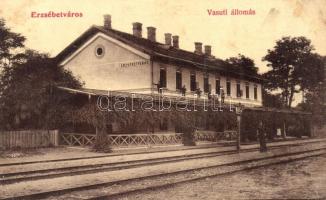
x: 28, y: 139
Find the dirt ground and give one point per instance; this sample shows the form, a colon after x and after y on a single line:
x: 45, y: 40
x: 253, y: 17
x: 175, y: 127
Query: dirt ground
x: 304, y: 179
x: 39, y: 154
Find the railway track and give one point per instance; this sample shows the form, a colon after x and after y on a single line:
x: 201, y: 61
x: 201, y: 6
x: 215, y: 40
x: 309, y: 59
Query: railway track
x: 164, y: 180
x: 113, y: 155
x: 239, y: 167
x: 112, y: 189
x: 14, y: 177
x: 146, y: 152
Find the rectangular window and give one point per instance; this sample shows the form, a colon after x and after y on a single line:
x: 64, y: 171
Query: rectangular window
x: 193, y: 84
x: 218, y: 86
x: 239, y: 89
x: 206, y: 84
x: 178, y: 80
x: 162, y: 78
x: 255, y: 92
x: 228, y: 87
x: 247, y: 90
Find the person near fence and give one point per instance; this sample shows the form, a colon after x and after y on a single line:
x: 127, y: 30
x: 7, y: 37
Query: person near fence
x: 183, y: 90
x: 261, y: 133
x: 222, y: 95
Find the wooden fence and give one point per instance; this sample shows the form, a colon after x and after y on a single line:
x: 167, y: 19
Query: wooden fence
x: 74, y: 139
x: 118, y: 140
x: 44, y: 138
x: 215, y: 136
x: 28, y: 139
x: 121, y: 140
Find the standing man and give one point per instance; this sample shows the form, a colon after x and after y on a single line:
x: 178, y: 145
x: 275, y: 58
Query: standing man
x: 183, y: 90
x: 261, y: 133
x: 222, y: 95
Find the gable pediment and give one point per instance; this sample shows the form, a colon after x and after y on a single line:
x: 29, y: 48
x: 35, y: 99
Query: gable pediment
x: 106, y: 38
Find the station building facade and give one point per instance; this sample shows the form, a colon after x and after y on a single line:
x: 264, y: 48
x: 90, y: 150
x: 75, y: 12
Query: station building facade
x: 108, y: 59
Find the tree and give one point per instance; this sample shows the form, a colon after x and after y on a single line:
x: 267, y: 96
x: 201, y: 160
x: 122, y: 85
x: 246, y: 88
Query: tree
x: 243, y: 62
x: 315, y: 102
x: 26, y: 92
x: 271, y: 100
x: 290, y: 60
x: 90, y: 114
x: 9, y: 41
x: 311, y: 72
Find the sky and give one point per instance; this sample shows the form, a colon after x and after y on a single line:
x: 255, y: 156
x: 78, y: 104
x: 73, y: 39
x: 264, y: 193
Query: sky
x: 229, y: 35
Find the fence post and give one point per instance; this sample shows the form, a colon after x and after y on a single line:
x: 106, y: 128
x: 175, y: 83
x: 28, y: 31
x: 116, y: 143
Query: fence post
x: 239, y: 133
x: 238, y: 111
x: 284, y: 130
x: 56, y: 138
x: 2, y: 144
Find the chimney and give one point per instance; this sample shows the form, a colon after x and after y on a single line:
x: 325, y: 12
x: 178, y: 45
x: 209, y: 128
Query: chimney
x: 151, y: 34
x: 198, y: 48
x: 107, y: 22
x: 175, y: 40
x: 208, y: 50
x: 168, y: 38
x: 136, y: 29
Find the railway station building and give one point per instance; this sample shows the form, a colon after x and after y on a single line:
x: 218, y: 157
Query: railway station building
x: 108, y: 60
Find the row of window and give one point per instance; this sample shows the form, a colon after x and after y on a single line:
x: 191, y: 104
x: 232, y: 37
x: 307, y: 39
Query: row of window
x: 207, y: 86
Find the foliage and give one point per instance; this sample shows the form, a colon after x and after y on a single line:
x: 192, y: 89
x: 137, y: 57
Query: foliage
x: 296, y: 124
x: 315, y: 103
x: 222, y: 121
x: 26, y: 92
x: 244, y: 63
x: 90, y: 114
x: 271, y: 100
x: 9, y: 41
x: 186, y: 122
x: 27, y: 80
x: 315, y: 85
x: 293, y: 64
x: 311, y: 72
x: 128, y: 121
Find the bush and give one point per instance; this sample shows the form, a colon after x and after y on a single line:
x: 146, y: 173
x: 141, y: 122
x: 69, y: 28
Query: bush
x: 188, y: 138
x: 296, y: 124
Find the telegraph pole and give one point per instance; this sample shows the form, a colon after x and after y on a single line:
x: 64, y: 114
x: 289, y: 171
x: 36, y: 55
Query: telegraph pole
x: 238, y: 111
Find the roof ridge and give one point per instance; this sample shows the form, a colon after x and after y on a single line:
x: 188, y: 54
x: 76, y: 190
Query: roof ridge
x: 156, y: 49
x: 159, y: 43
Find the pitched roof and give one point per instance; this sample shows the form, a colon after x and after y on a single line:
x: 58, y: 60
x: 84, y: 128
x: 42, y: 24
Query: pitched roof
x: 277, y: 110
x: 161, y: 52
x: 95, y: 92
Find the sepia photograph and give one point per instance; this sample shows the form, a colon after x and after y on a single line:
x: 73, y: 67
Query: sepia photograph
x: 162, y: 99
